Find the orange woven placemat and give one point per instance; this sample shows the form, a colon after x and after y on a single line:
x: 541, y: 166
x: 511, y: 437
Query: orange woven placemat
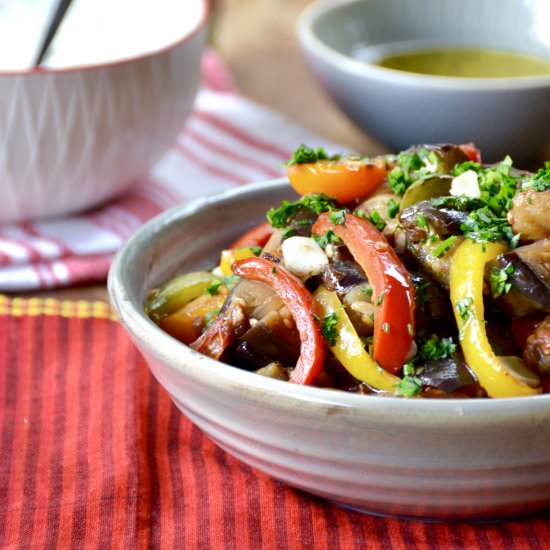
x: 93, y: 454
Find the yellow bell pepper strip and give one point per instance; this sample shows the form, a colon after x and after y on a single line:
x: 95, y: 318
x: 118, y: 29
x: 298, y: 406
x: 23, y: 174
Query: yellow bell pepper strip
x: 187, y: 323
x: 176, y: 293
x: 466, y: 285
x: 348, y: 348
x: 229, y: 257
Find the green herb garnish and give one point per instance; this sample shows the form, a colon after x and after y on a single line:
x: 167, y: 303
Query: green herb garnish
x: 421, y: 222
x: 256, y: 250
x: 487, y: 220
x: 409, y: 369
x: 409, y: 386
x: 500, y: 280
x: 393, y: 208
x: 444, y: 247
x: 210, y: 316
x: 279, y: 217
x: 338, y: 217
x: 541, y: 180
x: 306, y: 155
x: 328, y: 238
x: 463, y: 308
x: 230, y: 281
x: 380, y: 298
x: 434, y: 348
x: 328, y: 327
x: 376, y: 219
x: 421, y: 294
x: 213, y: 287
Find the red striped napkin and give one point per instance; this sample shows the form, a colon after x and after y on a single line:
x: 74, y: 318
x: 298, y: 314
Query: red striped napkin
x: 93, y: 454
x: 228, y: 140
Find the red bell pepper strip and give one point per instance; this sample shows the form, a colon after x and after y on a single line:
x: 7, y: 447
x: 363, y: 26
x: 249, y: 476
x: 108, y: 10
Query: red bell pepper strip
x: 302, y: 307
x: 257, y: 236
x: 471, y: 151
x: 393, y: 291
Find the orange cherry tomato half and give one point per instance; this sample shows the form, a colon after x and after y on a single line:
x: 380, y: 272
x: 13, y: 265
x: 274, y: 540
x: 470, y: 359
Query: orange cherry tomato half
x: 345, y: 179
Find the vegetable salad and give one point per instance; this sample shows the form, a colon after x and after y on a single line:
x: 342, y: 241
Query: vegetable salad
x: 421, y: 274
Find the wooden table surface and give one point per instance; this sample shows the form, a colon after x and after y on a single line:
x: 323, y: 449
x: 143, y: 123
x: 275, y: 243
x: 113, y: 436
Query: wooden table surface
x: 257, y: 41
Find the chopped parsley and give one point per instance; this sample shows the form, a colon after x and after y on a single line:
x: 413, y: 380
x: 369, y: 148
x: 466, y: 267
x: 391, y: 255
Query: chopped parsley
x: 273, y: 270
x: 230, y: 281
x: 408, y: 386
x: 386, y: 328
x: 305, y: 155
x: 409, y: 369
x: 256, y: 250
x: 403, y: 175
x: 328, y: 238
x: 210, y: 316
x: 463, y: 308
x: 541, y: 180
x: 279, y: 217
x: 500, y: 280
x: 393, y: 208
x: 487, y: 220
x: 213, y: 287
x: 421, y: 291
x: 288, y: 232
x: 421, y: 222
x: 412, y: 166
x: 444, y: 247
x: 376, y: 219
x: 483, y: 225
x: 338, y: 217
x: 434, y: 348
x: 380, y: 298
x: 328, y: 327
x: 367, y: 291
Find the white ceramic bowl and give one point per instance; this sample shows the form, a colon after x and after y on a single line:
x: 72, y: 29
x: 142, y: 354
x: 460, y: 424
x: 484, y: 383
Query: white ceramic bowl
x: 72, y: 138
x: 342, y: 39
x: 453, y: 458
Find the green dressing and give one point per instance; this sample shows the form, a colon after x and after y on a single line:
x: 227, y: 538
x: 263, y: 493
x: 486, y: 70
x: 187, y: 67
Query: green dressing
x: 467, y: 62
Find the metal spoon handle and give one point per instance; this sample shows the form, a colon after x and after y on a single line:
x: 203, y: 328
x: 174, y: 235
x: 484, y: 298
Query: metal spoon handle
x: 58, y: 16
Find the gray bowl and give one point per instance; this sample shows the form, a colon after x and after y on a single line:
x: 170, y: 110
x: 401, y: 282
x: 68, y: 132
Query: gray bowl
x: 449, y: 458
x: 342, y: 39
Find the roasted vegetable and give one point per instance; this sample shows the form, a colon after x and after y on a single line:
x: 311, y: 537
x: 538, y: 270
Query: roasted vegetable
x: 498, y: 378
x: 301, y: 305
x: 347, y: 346
x: 343, y: 177
x: 519, y: 280
x: 436, y: 186
x: 393, y: 291
x: 537, y: 351
x: 529, y: 215
x: 450, y: 376
x: 172, y: 296
x: 257, y: 236
x: 432, y: 235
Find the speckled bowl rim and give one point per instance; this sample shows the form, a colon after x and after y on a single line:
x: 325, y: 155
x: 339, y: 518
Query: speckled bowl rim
x: 451, y: 412
x: 341, y: 62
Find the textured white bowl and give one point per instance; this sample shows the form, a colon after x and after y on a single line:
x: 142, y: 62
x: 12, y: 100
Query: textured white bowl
x: 416, y: 458
x: 341, y: 39
x: 73, y: 138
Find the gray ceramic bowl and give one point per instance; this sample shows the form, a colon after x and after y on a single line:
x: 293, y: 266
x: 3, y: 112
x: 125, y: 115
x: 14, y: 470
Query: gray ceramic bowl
x: 415, y: 458
x: 341, y: 39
